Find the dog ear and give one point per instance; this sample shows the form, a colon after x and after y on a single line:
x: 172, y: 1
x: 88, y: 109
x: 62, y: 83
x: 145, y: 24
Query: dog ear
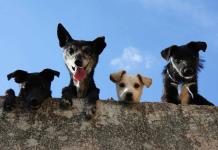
x: 145, y: 81
x: 49, y: 74
x: 99, y: 44
x: 63, y: 35
x: 117, y: 76
x: 198, y: 46
x: 166, y: 53
x: 19, y: 76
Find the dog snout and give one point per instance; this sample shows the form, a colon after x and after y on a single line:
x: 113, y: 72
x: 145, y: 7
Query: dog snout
x: 78, y: 62
x: 129, y: 96
x: 187, y: 71
x: 34, y: 102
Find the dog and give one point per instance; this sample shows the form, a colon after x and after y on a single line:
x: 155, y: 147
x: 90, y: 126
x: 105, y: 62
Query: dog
x: 129, y: 88
x: 181, y: 72
x: 81, y: 58
x: 35, y: 88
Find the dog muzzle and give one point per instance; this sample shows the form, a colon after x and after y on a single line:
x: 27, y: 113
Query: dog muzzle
x: 179, y: 71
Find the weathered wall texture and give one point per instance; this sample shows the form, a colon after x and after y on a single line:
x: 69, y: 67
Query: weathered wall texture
x: 115, y: 126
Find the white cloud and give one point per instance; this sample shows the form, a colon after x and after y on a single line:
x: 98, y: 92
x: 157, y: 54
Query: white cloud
x: 131, y: 59
x: 194, y: 10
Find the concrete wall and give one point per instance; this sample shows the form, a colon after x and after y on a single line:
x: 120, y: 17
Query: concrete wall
x: 115, y: 126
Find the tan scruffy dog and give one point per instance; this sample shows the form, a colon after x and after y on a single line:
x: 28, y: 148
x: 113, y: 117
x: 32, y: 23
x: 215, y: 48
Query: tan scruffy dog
x: 129, y: 88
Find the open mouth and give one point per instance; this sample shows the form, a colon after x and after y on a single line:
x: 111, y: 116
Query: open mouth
x: 80, y: 73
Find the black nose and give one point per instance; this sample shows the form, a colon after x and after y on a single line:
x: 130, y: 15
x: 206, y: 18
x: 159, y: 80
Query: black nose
x: 34, y: 102
x: 187, y: 72
x: 129, y: 96
x: 78, y: 62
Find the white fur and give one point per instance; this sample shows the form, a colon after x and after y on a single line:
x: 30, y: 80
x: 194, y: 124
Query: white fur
x: 70, y: 62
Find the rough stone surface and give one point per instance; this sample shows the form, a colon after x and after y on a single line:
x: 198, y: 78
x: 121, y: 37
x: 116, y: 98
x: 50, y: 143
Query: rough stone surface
x: 115, y: 126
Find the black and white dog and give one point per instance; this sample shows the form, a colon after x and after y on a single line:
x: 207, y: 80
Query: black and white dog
x: 182, y: 71
x: 81, y: 58
x: 35, y: 88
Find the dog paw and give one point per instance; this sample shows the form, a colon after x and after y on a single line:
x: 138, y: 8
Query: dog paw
x: 65, y: 104
x: 90, y: 111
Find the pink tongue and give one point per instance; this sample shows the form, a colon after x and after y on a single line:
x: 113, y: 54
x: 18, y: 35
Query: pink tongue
x: 80, y: 74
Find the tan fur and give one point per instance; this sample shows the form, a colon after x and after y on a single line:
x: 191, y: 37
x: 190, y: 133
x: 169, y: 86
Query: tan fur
x: 184, y: 96
x: 146, y: 81
x: 116, y: 77
x: 129, y: 81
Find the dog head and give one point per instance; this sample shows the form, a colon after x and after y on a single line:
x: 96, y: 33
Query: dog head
x: 185, y: 59
x: 80, y: 57
x: 129, y: 88
x: 35, y: 87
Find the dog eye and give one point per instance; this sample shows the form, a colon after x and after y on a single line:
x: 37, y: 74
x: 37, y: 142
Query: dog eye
x: 136, y: 85
x: 71, y: 51
x: 122, y: 85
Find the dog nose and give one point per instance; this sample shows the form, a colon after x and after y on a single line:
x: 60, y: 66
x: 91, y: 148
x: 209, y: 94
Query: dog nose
x: 129, y: 96
x: 187, y: 71
x: 78, y: 62
x: 34, y: 102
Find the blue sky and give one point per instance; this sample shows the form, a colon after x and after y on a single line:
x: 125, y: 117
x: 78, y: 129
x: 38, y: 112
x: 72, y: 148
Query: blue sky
x: 136, y: 28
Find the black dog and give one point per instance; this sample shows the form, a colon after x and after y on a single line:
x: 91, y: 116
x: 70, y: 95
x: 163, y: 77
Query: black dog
x: 81, y: 58
x: 182, y: 70
x: 35, y: 88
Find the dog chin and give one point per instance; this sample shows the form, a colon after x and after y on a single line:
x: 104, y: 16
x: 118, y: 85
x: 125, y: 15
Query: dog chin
x: 124, y: 99
x: 188, y: 77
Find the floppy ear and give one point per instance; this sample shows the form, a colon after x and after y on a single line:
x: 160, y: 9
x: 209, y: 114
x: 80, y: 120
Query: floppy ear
x: 49, y: 74
x: 145, y: 81
x: 63, y: 35
x: 166, y: 53
x: 99, y: 44
x: 19, y: 76
x: 198, y: 46
x: 117, y: 76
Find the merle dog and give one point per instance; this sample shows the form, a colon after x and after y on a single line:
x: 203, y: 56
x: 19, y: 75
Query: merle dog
x: 182, y: 72
x: 81, y: 58
x: 35, y: 88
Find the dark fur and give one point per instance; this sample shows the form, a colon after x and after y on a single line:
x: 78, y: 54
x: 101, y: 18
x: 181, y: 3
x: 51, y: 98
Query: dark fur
x: 89, y: 51
x: 186, y: 58
x: 35, y: 88
x: 10, y: 100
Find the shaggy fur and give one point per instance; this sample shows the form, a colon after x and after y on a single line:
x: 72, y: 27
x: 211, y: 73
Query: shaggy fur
x: 181, y: 73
